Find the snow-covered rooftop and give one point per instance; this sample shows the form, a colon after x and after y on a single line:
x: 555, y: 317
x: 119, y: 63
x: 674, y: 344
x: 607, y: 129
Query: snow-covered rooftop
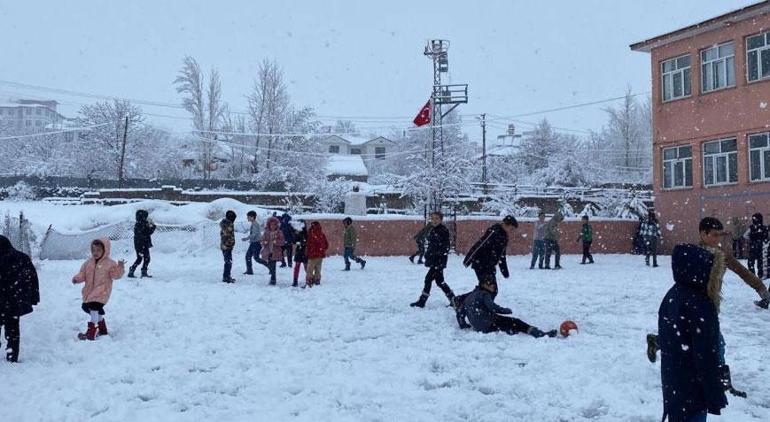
x: 353, y: 139
x: 346, y: 165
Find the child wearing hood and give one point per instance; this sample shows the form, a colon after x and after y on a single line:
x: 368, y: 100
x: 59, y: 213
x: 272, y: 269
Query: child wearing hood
x: 143, y: 230
x: 317, y: 245
x: 272, y: 246
x: 98, y: 273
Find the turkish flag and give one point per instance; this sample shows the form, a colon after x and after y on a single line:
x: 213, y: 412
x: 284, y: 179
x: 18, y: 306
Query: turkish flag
x: 423, y: 117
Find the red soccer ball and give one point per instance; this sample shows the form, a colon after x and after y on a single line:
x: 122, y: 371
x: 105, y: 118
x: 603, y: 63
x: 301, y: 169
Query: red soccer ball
x: 566, y: 327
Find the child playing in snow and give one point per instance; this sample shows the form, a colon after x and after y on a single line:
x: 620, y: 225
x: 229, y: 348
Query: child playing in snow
x: 316, y: 252
x: 272, y: 246
x: 300, y: 251
x: 586, y: 236
x: 98, y: 273
x: 349, y: 242
x: 483, y: 313
x: 255, y: 247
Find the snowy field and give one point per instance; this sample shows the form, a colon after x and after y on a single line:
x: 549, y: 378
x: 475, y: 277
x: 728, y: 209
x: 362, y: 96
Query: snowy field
x: 186, y: 347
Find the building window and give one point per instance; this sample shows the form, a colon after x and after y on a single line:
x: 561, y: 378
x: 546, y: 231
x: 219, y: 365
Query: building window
x: 356, y: 151
x: 29, y: 123
x: 38, y: 123
x: 758, y: 56
x: 677, y: 167
x: 334, y: 149
x: 676, y: 78
x: 718, y: 67
x: 759, y: 156
x: 379, y: 153
x: 29, y: 111
x: 38, y: 111
x: 69, y: 136
x: 720, y: 162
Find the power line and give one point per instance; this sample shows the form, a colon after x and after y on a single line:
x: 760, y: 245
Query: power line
x: 35, y: 135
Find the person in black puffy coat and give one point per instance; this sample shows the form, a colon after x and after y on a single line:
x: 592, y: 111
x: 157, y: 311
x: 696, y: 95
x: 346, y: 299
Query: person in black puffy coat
x: 19, y: 292
x: 489, y: 251
x: 689, y: 338
x: 435, y: 257
x: 143, y: 230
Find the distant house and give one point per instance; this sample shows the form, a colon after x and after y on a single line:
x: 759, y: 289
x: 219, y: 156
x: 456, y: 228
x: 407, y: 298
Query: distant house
x: 368, y: 148
x: 29, y: 115
x: 349, y: 167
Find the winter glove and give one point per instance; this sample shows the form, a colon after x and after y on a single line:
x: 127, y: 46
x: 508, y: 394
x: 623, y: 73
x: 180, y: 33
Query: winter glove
x: 506, y: 311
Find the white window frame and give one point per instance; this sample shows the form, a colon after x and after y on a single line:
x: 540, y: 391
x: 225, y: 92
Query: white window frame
x: 681, y: 161
x: 759, y: 50
x: 379, y: 155
x: 714, y: 158
x: 684, y: 70
x: 764, y: 176
x: 719, y: 64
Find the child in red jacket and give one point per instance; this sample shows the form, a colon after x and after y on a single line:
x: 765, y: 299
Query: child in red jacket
x: 316, y: 252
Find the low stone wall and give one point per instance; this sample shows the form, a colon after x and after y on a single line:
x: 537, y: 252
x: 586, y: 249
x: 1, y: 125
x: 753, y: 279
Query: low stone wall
x: 394, y: 237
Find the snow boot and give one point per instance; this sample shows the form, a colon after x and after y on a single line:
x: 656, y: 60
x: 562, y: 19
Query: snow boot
x: 295, y: 283
x: 652, y: 347
x: 249, y: 273
x: 411, y: 259
x: 420, y: 302
x: 102, y: 328
x: 537, y: 333
x: 145, y: 275
x: 90, y: 333
x: 347, y: 266
x: 363, y: 264
x: 419, y: 262
x: 131, y: 270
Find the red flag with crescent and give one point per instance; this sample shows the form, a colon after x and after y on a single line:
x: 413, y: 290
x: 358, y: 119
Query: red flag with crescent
x: 423, y: 117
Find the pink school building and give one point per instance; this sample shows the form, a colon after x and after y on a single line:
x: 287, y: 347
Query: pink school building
x: 711, y: 121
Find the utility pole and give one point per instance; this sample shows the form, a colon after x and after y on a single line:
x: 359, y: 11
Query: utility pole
x: 122, y: 154
x: 484, y: 151
x: 454, y: 95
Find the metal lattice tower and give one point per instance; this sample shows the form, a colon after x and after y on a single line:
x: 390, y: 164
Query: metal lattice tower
x: 453, y: 95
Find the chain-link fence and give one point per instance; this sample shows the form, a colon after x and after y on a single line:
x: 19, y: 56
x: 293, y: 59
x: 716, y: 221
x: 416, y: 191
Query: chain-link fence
x: 18, y: 231
x: 167, y: 238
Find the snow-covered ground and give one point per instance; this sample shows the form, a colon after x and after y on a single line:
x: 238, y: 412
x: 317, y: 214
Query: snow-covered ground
x: 186, y: 347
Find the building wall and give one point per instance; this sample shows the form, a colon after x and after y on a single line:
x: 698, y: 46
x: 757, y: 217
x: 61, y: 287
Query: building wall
x: 394, y: 237
x: 731, y: 112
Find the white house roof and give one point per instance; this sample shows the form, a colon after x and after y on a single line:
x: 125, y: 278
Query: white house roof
x: 346, y: 165
x: 353, y: 139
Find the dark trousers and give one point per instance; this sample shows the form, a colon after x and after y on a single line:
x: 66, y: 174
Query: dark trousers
x: 755, y: 256
x: 350, y: 254
x: 587, y: 252
x: 228, y: 256
x: 508, y: 325
x: 538, y: 253
x: 651, y: 249
x: 420, y: 252
x: 142, y: 255
x: 552, y: 247
x: 288, y: 250
x: 253, y: 253
x: 271, y: 268
x: 437, y: 274
x: 12, y: 336
x: 738, y: 248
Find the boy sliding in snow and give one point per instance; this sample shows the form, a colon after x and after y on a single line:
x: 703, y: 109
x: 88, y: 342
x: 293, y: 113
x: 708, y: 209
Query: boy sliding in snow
x: 98, y: 273
x: 484, y: 314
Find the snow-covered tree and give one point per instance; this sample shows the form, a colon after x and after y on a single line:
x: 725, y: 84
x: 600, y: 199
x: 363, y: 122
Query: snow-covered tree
x: 204, y: 105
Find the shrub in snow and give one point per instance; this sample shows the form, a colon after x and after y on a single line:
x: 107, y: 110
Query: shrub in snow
x: 622, y: 204
x: 21, y: 191
x: 565, y: 208
x: 330, y: 195
x: 507, y: 203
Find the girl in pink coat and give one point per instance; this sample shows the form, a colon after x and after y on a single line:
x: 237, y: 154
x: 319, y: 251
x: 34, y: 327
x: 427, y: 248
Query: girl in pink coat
x: 272, y: 243
x: 97, y: 273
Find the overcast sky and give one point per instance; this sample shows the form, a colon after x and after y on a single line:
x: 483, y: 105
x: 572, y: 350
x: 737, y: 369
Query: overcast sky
x: 360, y: 60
